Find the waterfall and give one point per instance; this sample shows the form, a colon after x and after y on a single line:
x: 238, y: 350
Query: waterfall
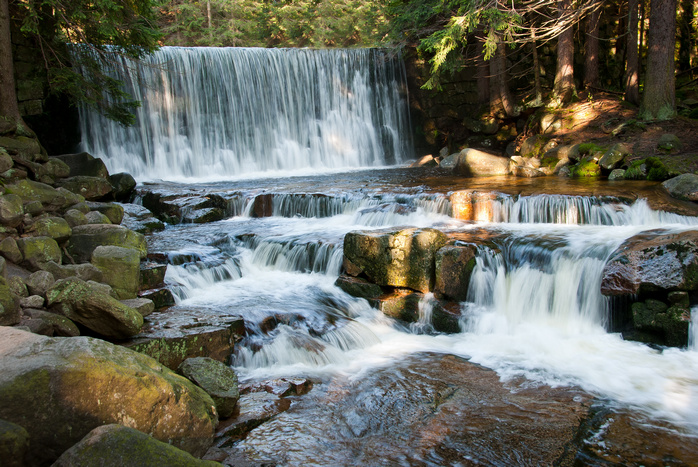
x: 225, y: 112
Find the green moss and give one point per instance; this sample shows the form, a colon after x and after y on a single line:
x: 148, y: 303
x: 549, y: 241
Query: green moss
x: 585, y: 168
x: 589, y: 148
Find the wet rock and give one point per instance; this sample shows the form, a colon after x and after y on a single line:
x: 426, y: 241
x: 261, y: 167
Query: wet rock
x: 254, y: 409
x: 37, y: 251
x: 398, y: 258
x: 152, y: 275
x: 172, y: 337
x: 409, y: 307
x: 616, y: 174
x: 454, y: 265
x: 473, y: 205
x: 74, y: 218
x: 123, y: 185
x: 358, y: 287
x: 162, y: 297
x: 91, y: 188
x: 86, y: 238
x: 142, y: 305
x: 263, y: 205
x: 203, y: 216
x: 120, y: 268
x: 14, y: 444
x: 282, y: 387
x: 48, y: 324
x: 84, y: 164
x: 113, y: 211
x: 472, y: 163
x: 653, y: 261
x: 172, y: 207
x: 216, y: 378
x: 669, y: 325
x: 53, y: 227
x: 139, y: 219
x: 11, y: 210
x: 103, y: 314
x: 683, y: 187
x: 613, y: 158
x: 60, y: 389
x: 117, y: 445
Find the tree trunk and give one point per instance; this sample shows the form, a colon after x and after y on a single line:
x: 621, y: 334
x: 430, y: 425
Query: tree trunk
x: 658, y: 100
x: 501, y: 100
x: 591, y: 49
x: 686, y: 35
x: 563, y: 89
x: 632, y: 69
x: 9, y: 110
x: 482, y: 76
x: 536, y: 71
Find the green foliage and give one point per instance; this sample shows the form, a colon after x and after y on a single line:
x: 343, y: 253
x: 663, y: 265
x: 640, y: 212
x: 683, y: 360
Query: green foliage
x: 97, y: 31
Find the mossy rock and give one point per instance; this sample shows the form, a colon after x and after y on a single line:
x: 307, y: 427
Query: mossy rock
x: 91, y: 188
x: 120, y: 268
x: 11, y: 210
x: 585, y: 168
x: 668, y: 324
x: 669, y: 143
x: 454, y: 265
x: 56, y: 228
x: 358, y: 287
x: 86, y: 238
x: 29, y: 190
x: 38, y: 251
x: 113, y: 211
x: 14, y: 444
x: 216, y: 378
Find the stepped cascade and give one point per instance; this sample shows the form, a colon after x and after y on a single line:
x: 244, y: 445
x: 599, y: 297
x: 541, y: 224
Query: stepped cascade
x: 223, y: 112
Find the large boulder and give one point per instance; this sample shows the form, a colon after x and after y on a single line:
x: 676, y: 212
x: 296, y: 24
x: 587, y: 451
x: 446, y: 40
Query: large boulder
x: 90, y: 188
x: 472, y: 163
x: 84, y: 164
x: 454, y: 265
x: 103, y: 314
x: 653, y: 261
x: 56, y: 228
x: 397, y: 258
x: 117, y: 446
x: 216, y: 378
x: 38, y: 251
x: 59, y: 389
x: 684, y: 187
x: 86, y: 238
x: 123, y: 185
x: 120, y: 268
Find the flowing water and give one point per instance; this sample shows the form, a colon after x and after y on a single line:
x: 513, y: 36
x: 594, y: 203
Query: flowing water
x: 533, y: 310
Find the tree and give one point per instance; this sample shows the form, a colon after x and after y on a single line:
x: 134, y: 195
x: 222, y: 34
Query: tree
x: 9, y: 111
x: 591, y: 50
x: 658, y: 100
x: 88, y: 32
x: 564, y: 76
x: 632, y: 69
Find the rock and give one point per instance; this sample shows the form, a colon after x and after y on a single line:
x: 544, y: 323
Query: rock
x: 528, y: 172
x: 425, y: 161
x: 39, y: 282
x: 94, y: 217
x: 152, y: 275
x: 140, y: 219
x: 406, y: 307
x: 105, y: 289
x: 32, y: 301
x: 669, y: 143
x: 38, y: 251
x: 123, y: 185
x: 74, y: 218
x: 29, y: 190
x: 683, y: 187
x: 56, y: 168
x: 117, y: 446
x: 85, y: 271
x: 142, y: 305
x: 255, y: 408
x: 653, y: 261
x: 6, y: 162
x: 616, y: 174
x: 10, y: 313
x: 86, y: 238
x: 25, y: 147
x: 56, y: 228
x: 454, y: 265
x: 550, y: 123
x: 34, y: 208
x: 533, y: 146
x: 11, y: 210
x: 105, y: 315
x: 670, y: 324
x: 398, y: 258
x: 170, y: 337
x: 161, y: 297
x: 82, y: 206
x: 71, y: 198
x: 449, y: 162
x: 10, y: 251
x: 113, y: 211
x: 358, y: 287
x: 84, y: 164
x: 613, y: 158
x: 472, y: 162
x: 48, y: 324
x: 172, y: 207
x: 585, y: 168
x: 203, y: 215
x: 17, y: 286
x: 91, y: 188
x: 217, y: 379
x: 60, y: 389
x: 14, y: 444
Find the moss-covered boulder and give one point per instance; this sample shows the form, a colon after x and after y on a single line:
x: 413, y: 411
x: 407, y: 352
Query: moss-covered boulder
x: 683, y: 187
x: 85, y: 271
x: 397, y: 258
x: 613, y: 158
x: 11, y: 210
x: 113, y: 211
x: 653, y: 261
x: 533, y: 146
x: 475, y: 163
x: 91, y: 188
x: 661, y: 324
x: 454, y: 265
x: 74, y: 218
x: 29, y: 190
x: 10, y: 251
x: 117, y: 446
x: 669, y: 143
x: 152, y: 275
x: 586, y: 167
x: 56, y: 168
x: 6, y: 162
x: 59, y: 389
x: 14, y: 444
x: 103, y: 314
x: 56, y: 228
x: 38, y: 251
x: 22, y: 146
x: 10, y: 313
x: 120, y: 268
x: 216, y: 378
x: 86, y: 238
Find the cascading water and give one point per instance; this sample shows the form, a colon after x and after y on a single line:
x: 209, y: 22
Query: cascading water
x: 219, y: 113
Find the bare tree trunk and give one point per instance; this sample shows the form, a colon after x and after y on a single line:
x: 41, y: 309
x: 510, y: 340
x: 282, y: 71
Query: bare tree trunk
x: 564, y: 77
x: 591, y: 49
x: 659, y: 100
x: 9, y: 110
x: 501, y: 100
x: 632, y: 69
x: 536, y: 70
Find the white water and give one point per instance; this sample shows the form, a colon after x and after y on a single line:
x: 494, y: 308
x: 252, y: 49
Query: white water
x: 220, y: 113
x: 534, y: 306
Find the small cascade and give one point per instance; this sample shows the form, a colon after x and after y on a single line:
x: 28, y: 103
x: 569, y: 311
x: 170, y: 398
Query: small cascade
x: 423, y: 325
x: 693, y: 330
x: 203, y: 114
